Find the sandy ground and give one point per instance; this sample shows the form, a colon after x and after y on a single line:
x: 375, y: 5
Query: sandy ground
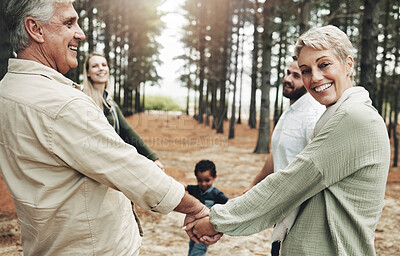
x: 180, y: 143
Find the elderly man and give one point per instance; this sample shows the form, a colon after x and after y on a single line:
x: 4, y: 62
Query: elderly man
x: 70, y: 175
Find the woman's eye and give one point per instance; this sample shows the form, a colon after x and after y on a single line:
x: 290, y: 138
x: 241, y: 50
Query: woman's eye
x: 324, y: 65
x: 305, y: 71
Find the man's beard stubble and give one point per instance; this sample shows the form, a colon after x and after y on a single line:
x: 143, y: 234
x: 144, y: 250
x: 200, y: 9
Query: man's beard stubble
x: 296, y: 94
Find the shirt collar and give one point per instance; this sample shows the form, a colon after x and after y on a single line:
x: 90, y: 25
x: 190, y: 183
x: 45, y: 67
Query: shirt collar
x: 208, y: 190
x: 29, y: 67
x: 298, y: 103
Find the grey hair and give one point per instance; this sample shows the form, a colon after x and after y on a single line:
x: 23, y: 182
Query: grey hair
x: 15, y: 13
x: 326, y: 38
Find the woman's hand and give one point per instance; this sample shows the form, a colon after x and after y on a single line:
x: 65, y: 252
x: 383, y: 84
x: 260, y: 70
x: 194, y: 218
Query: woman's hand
x: 203, y: 230
x: 159, y: 164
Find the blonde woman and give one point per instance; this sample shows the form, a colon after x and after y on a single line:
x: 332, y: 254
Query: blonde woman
x: 338, y: 180
x: 95, y: 82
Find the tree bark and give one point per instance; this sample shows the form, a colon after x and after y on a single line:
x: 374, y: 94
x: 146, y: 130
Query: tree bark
x: 233, y: 112
x: 264, y: 126
x: 369, y: 43
x: 254, y: 70
x: 5, y: 46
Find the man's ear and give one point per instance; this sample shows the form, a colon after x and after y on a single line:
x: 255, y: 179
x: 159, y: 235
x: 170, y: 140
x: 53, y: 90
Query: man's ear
x: 34, y: 29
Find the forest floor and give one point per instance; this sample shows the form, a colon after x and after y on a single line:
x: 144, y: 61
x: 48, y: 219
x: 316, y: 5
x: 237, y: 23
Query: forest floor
x: 180, y: 143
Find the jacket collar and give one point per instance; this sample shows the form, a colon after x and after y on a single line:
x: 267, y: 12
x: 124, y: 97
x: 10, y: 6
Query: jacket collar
x: 29, y: 67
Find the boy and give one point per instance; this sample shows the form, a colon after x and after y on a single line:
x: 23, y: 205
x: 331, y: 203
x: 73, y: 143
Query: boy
x: 205, y: 191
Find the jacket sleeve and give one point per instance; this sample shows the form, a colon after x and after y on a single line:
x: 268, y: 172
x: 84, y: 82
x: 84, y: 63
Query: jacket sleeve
x: 83, y: 139
x: 130, y: 136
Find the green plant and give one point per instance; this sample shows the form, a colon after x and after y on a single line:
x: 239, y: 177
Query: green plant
x: 164, y: 103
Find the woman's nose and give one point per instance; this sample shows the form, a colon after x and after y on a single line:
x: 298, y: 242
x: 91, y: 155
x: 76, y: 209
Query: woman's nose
x: 317, y: 75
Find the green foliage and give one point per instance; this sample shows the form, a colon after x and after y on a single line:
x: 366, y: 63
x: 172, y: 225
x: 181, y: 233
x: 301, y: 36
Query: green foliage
x: 163, y: 103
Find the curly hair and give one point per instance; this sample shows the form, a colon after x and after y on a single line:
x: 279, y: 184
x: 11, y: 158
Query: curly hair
x: 205, y: 165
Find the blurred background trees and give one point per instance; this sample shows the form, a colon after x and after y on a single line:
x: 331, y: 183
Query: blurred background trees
x: 226, y: 41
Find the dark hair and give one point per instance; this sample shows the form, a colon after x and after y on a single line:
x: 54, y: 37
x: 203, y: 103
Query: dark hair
x: 205, y: 165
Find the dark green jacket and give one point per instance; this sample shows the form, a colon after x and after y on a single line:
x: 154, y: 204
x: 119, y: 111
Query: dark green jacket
x: 115, y: 117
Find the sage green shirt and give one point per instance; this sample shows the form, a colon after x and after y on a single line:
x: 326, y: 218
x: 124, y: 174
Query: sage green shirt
x: 338, y: 181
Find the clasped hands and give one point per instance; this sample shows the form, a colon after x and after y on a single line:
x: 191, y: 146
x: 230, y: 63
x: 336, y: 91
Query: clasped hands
x: 199, y: 228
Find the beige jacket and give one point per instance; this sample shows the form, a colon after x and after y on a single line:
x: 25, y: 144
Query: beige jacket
x: 70, y: 175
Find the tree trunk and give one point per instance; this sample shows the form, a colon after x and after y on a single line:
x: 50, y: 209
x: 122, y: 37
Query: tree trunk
x: 395, y: 137
x: 264, y: 126
x: 137, y: 99
x: 334, y: 9
x: 214, y: 109
x: 233, y: 112
x: 369, y: 43
x: 5, y: 46
x: 142, y: 106
x: 225, y: 66
x: 382, y: 84
x: 239, y: 121
x: 254, y: 71
x: 90, y: 15
x: 281, y: 55
x: 304, y: 15
x: 202, y: 47
x: 396, y: 90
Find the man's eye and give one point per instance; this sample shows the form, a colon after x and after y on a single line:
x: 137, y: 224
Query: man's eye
x: 69, y: 23
x: 305, y: 71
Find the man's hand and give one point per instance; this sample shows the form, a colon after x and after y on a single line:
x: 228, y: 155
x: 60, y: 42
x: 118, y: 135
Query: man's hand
x: 207, y: 240
x: 191, y: 218
x: 203, y: 231
x: 201, y: 228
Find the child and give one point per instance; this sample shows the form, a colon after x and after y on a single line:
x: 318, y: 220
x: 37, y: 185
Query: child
x: 205, y: 191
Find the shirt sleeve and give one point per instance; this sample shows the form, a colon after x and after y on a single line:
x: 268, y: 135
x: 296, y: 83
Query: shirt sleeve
x: 130, y: 136
x: 84, y: 140
x: 348, y: 142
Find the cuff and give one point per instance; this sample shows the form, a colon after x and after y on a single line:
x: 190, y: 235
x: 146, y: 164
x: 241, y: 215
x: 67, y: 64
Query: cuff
x: 171, y: 199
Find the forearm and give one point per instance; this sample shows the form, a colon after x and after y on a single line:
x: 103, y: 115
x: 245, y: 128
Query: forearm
x: 190, y: 205
x: 267, y: 169
x: 268, y: 202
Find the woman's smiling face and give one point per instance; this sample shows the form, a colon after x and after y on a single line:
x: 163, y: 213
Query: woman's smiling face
x: 98, y: 70
x: 324, y: 75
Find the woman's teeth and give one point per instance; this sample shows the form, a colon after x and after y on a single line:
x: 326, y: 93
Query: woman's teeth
x: 322, y: 87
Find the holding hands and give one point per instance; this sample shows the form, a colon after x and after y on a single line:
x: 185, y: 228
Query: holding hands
x: 201, y: 231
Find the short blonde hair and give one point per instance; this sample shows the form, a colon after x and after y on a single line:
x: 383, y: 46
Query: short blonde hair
x: 326, y: 38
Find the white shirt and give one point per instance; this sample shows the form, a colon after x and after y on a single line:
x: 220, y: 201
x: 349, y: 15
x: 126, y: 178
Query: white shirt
x: 293, y: 130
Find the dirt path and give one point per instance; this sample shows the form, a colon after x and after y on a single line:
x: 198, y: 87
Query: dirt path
x: 180, y: 142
